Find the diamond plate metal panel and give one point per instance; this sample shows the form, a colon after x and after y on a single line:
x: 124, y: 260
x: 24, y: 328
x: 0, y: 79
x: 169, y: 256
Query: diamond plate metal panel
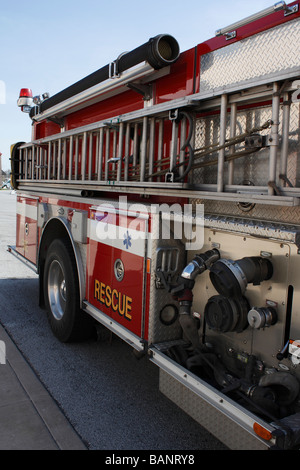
x: 160, y: 297
x: 225, y: 429
x: 253, y: 168
x: 257, y: 228
x: 258, y: 212
x: 293, y: 166
x: 253, y: 58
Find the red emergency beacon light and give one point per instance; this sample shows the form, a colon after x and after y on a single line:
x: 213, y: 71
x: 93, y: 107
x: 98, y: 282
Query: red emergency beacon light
x: 25, y: 100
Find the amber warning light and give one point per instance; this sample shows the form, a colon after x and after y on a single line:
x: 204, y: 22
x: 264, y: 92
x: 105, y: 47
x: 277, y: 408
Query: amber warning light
x: 25, y: 100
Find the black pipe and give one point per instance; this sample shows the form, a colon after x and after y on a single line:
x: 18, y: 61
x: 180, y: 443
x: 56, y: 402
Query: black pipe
x: 187, y: 145
x: 160, y: 51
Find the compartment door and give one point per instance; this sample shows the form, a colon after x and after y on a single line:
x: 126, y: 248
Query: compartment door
x: 116, y: 266
x: 26, y: 234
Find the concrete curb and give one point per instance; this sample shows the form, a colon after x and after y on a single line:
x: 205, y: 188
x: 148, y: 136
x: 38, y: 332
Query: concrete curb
x: 29, y: 417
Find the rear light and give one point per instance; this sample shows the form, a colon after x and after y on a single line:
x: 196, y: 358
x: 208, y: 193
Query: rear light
x: 25, y: 99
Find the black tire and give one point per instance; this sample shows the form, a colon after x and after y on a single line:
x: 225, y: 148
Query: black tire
x: 61, y: 290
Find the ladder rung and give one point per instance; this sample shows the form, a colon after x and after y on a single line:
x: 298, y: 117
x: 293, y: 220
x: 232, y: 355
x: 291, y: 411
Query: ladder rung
x: 150, y: 149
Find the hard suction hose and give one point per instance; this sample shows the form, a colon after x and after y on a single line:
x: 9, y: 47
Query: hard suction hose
x: 230, y: 278
x: 160, y: 51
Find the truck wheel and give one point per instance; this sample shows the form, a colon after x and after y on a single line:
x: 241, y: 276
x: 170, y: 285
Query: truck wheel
x: 61, y: 290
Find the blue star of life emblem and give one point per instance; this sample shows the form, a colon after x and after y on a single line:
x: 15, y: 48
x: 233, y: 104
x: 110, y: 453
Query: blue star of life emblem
x: 127, y: 240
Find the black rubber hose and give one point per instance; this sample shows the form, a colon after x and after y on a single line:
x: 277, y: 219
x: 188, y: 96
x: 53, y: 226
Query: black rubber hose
x: 285, y: 385
x: 256, y: 269
x: 187, y: 145
x: 160, y: 51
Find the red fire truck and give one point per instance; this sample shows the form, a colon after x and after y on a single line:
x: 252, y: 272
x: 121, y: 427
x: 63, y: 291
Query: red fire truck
x: 160, y: 197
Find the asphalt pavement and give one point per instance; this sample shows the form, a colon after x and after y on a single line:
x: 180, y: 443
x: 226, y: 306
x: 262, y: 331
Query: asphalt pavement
x: 30, y: 419
x: 93, y: 395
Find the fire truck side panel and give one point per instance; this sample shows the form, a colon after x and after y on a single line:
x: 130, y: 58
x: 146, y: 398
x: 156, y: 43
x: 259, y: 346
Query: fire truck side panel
x: 218, y: 128
x: 44, y: 129
x: 183, y: 79
x: 239, y: 340
x: 116, y: 268
x: 26, y: 235
x: 125, y: 103
x: 245, y: 31
x: 264, y: 343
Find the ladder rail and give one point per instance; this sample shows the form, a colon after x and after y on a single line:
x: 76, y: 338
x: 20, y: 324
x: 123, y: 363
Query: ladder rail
x: 149, y: 148
x: 71, y: 157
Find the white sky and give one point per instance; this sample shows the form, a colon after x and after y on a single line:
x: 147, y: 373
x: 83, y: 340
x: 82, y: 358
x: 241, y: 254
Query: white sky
x: 47, y: 46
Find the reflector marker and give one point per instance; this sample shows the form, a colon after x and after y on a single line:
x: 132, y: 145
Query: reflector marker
x: 262, y: 432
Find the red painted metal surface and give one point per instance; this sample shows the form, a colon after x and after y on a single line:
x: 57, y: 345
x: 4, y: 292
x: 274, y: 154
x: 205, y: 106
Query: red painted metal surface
x: 26, y: 232
x: 121, y: 104
x: 185, y: 73
x: 122, y: 300
x: 243, y: 32
x: 182, y: 82
x: 127, y: 302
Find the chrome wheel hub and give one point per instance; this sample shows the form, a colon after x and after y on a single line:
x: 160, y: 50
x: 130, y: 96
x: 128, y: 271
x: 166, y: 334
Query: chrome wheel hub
x: 57, y: 290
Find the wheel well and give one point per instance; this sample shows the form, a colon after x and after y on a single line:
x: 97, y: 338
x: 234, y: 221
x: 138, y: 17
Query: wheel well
x: 55, y: 229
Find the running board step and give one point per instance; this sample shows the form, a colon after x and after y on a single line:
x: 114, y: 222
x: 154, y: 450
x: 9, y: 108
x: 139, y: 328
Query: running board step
x: 225, y: 419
